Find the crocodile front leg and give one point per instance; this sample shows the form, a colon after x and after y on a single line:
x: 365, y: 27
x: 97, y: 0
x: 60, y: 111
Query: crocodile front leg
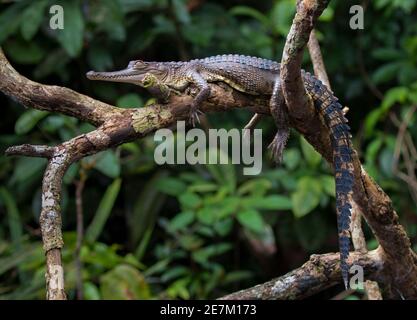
x: 203, y: 95
x: 280, y: 116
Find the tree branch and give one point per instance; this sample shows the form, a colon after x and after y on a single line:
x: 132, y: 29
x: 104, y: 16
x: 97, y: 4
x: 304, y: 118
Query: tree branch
x: 317, y: 59
x: 114, y: 126
x: 317, y: 274
x: 375, y: 205
x: 358, y: 238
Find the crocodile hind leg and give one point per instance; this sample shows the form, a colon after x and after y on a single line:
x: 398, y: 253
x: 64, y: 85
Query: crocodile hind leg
x: 279, y: 114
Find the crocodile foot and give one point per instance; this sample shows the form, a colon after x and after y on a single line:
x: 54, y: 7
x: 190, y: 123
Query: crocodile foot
x: 194, y: 116
x: 277, y: 145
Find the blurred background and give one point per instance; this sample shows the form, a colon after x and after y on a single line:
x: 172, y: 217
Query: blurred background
x: 193, y: 232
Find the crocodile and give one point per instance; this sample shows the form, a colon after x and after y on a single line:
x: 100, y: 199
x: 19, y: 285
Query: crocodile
x: 257, y: 76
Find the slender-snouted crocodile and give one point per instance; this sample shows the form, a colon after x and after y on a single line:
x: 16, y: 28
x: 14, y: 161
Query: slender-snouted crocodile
x: 256, y: 76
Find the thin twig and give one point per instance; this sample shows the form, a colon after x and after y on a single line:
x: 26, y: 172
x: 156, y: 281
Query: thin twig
x: 407, y: 150
x: 317, y: 59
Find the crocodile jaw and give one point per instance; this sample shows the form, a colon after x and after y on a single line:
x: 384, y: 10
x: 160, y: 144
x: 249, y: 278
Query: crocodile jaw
x: 128, y: 75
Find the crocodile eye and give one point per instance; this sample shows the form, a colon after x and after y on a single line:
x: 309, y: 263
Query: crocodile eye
x: 138, y: 64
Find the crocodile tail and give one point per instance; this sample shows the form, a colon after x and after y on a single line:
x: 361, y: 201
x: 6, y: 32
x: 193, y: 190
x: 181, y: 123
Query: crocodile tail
x: 331, y: 110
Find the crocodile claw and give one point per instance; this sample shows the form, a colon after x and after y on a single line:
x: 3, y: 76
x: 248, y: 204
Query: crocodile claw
x: 194, y: 116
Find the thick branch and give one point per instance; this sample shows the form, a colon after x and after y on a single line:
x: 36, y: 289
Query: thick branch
x: 51, y: 98
x: 115, y: 126
x: 317, y: 274
x: 358, y: 238
x: 375, y: 205
x: 29, y: 150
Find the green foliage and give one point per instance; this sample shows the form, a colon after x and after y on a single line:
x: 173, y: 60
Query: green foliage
x: 124, y: 282
x: 103, y: 211
x: 184, y: 231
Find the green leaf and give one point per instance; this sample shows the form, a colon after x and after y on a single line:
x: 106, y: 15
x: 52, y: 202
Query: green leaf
x: 103, y: 211
x: 282, y: 15
x: 181, y: 220
x: 15, y: 224
x: 178, y: 289
x: 306, y: 197
x: 387, y: 54
x: 10, y: 20
x: 291, y: 159
x: 312, y: 156
x: 130, y: 100
x: 373, y: 149
x: 181, y: 11
x: 204, y: 254
x: 190, y: 242
x: 225, y: 174
x: 145, y: 212
x: 398, y: 94
x: 71, y: 36
x: 371, y: 121
x: 32, y: 18
x: 386, y: 159
x: 174, y: 272
x: 228, y: 206
x: 206, y: 215
x: 108, y: 163
x: 393, y: 96
x: 27, y: 168
x: 189, y: 200
x: 256, y: 187
x: 273, y: 202
x: 251, y: 12
x: 223, y: 227
x: 171, y: 186
x: 327, y: 15
x: 124, y: 283
x: 328, y: 185
x: 108, y: 17
x: 202, y: 187
x: 91, y: 292
x: 24, y: 52
x: 28, y: 120
x: 158, y: 267
x: 251, y: 219
x: 386, y: 72
x: 16, y: 259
